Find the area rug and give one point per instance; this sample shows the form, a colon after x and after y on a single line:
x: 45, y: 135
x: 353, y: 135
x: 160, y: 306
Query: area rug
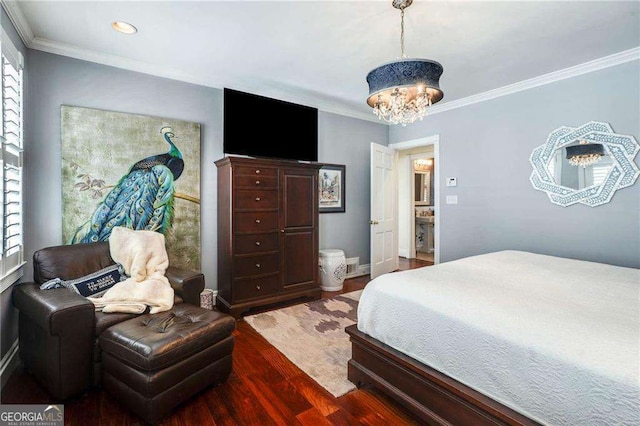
x: 312, y: 336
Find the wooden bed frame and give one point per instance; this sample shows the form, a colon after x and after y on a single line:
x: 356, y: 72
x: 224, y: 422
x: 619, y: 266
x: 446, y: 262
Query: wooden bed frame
x: 433, y: 396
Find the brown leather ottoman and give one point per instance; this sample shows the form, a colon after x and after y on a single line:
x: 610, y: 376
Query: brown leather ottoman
x: 152, y: 363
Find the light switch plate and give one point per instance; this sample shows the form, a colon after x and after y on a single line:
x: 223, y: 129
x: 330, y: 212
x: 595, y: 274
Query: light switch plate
x: 452, y: 181
x: 452, y: 199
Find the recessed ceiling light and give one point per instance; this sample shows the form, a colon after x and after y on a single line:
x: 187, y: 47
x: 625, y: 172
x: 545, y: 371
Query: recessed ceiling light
x: 124, y: 27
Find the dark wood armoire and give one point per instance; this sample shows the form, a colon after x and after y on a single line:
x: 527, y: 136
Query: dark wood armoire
x: 267, y: 232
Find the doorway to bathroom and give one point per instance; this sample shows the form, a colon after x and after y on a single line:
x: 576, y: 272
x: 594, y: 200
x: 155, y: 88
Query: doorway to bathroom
x: 418, y: 199
x: 423, y: 166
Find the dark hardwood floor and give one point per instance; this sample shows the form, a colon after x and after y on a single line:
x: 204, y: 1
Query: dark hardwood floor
x: 265, y: 388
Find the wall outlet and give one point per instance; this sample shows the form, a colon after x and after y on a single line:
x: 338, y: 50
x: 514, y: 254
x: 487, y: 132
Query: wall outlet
x: 452, y: 181
x: 452, y: 199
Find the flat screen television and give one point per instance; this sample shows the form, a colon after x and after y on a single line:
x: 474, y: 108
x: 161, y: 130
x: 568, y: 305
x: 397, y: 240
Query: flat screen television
x: 263, y: 127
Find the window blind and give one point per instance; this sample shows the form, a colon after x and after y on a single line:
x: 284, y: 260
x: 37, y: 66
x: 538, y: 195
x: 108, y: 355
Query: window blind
x: 600, y: 172
x: 11, y: 158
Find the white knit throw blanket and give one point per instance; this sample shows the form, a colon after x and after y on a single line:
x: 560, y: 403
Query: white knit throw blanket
x: 145, y: 260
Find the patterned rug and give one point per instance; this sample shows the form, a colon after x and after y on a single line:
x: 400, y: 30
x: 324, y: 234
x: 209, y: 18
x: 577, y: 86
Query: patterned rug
x: 312, y: 336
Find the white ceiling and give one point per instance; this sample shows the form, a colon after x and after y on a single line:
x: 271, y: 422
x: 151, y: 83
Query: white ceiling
x: 319, y: 53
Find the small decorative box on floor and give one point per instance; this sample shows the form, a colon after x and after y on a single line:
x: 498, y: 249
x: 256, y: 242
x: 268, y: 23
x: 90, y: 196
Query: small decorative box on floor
x: 333, y: 268
x: 207, y: 299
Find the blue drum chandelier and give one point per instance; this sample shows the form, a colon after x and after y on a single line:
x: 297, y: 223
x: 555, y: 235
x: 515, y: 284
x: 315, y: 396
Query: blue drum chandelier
x: 400, y: 92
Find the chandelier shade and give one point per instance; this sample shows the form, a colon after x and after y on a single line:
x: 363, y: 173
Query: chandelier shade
x: 411, y: 75
x: 585, y: 154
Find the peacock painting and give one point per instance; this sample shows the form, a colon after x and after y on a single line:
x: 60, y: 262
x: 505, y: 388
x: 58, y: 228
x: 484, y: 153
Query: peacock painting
x: 142, y: 199
x: 134, y: 171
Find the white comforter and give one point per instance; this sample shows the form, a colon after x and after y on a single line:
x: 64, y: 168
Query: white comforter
x: 555, y: 339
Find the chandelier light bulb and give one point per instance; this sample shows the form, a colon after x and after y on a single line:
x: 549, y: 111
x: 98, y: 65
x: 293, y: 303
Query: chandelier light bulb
x: 585, y: 160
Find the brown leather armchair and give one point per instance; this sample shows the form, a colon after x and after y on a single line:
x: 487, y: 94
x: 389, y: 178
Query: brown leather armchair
x: 59, y: 330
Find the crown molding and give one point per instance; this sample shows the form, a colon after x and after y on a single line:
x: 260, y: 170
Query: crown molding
x: 19, y: 21
x: 27, y: 35
x: 49, y: 46
x: 584, y: 68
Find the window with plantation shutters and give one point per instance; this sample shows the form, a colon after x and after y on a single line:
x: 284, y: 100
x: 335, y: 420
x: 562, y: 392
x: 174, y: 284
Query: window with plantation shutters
x: 12, y: 253
x: 601, y: 169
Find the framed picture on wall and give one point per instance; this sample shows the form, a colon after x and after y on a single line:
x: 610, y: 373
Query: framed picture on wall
x: 331, y: 188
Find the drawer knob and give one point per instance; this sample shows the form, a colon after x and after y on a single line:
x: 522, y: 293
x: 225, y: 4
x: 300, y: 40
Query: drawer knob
x: 257, y: 172
x: 257, y: 182
x: 257, y: 198
x: 257, y: 287
x: 257, y: 220
x: 257, y: 243
x: 257, y: 265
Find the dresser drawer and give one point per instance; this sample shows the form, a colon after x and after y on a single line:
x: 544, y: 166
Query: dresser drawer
x: 250, y: 222
x: 253, y: 288
x: 257, y: 181
x: 255, y: 243
x: 255, y: 199
x: 255, y: 171
x: 255, y: 265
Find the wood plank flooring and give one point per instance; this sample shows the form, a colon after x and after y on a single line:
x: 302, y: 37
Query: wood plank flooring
x: 265, y: 388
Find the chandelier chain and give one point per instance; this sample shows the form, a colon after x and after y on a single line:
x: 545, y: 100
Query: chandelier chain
x: 402, y: 55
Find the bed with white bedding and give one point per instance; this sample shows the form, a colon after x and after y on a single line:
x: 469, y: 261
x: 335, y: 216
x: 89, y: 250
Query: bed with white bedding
x: 554, y: 339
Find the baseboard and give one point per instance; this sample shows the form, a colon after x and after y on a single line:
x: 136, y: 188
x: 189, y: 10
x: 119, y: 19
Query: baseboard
x: 9, y: 363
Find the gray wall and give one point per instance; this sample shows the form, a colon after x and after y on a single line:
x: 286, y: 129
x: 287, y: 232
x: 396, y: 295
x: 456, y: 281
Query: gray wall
x: 58, y: 80
x: 487, y: 147
x: 8, y: 314
x: 345, y: 140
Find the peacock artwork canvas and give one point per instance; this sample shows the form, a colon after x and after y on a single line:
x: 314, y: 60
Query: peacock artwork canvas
x: 131, y: 170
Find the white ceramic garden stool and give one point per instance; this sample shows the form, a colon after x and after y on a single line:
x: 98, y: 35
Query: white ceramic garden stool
x: 333, y: 268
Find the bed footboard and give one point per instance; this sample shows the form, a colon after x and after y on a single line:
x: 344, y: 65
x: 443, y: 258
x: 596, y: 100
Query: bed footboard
x: 432, y: 396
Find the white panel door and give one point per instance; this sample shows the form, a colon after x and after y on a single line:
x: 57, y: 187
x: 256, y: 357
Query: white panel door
x: 384, y: 211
